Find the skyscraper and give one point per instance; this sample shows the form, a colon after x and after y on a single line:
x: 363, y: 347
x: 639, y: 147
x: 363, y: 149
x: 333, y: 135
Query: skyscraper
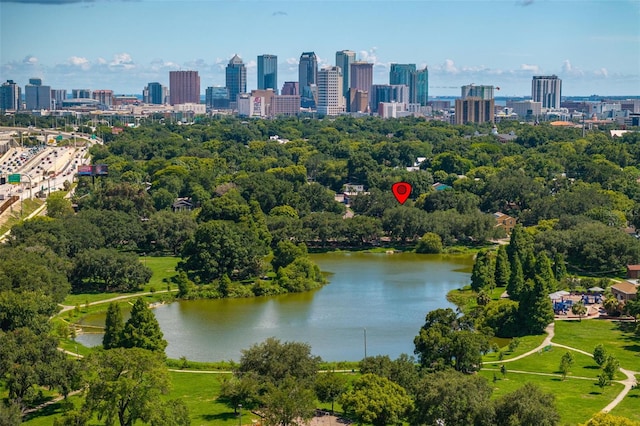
x: 307, y: 77
x: 330, y: 98
x: 154, y: 93
x: 402, y: 74
x: 344, y: 59
x: 361, y: 81
x: 236, y: 78
x: 10, y: 94
x: 105, y: 97
x: 184, y: 87
x: 268, y: 72
x: 477, y: 105
x: 36, y: 95
x: 290, y: 88
x: 421, y: 87
x: 547, y: 89
x: 81, y: 94
x: 58, y: 96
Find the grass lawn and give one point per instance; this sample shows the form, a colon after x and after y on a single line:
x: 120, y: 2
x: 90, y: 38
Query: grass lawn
x: 576, y: 400
x: 585, y: 335
x: 163, y: 268
x: 549, y: 362
x: 526, y: 344
x: 630, y: 405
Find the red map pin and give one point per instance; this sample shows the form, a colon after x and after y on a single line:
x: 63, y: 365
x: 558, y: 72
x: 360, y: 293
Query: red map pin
x: 401, y: 190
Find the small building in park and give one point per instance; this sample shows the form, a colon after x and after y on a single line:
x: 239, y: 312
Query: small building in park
x: 625, y: 290
x: 633, y: 271
x: 182, y: 204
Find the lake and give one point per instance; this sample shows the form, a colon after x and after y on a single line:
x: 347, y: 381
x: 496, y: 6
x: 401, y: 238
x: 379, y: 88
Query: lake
x: 374, y: 298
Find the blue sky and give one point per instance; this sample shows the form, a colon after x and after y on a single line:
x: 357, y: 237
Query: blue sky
x: 594, y: 46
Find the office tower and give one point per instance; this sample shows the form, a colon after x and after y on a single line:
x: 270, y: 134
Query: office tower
x: 420, y: 87
x: 236, y: 78
x: 268, y: 72
x: 403, y: 74
x: 472, y: 91
x: 290, y: 88
x: 81, y: 94
x: 344, y: 59
x: 361, y: 76
x: 10, y: 94
x: 36, y: 95
x: 184, y: 87
x: 217, y: 98
x: 307, y: 77
x: 58, y: 96
x: 285, y: 105
x: 155, y: 93
x: 548, y: 90
x: 398, y: 93
x: 476, y: 105
x: 104, y: 97
x: 330, y: 98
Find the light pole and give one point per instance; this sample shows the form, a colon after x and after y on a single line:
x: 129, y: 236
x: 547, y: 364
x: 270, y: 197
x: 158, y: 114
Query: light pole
x: 365, y: 343
x: 239, y: 414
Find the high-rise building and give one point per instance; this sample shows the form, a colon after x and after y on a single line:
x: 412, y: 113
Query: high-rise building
x: 155, y: 93
x: 36, y: 95
x: 268, y: 72
x: 10, y: 94
x: 473, y: 91
x: 307, y: 78
x: 58, y: 96
x: 421, y: 87
x: 81, y: 94
x: 548, y: 90
x: 402, y: 74
x: 290, y: 88
x: 344, y: 59
x: 285, y: 105
x: 104, y: 97
x: 184, y: 87
x: 236, y: 78
x: 398, y: 93
x: 330, y: 98
x: 362, y: 77
x: 477, y: 105
x: 217, y: 98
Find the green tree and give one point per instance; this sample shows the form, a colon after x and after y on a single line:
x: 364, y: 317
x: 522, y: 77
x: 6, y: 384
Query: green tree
x: 535, y: 308
x: 579, y: 309
x: 483, y: 273
x: 142, y: 329
x: 286, y: 252
x: 610, y: 367
x: 108, y: 270
x: 599, y: 354
x: 503, y: 270
x: 113, y: 327
x: 288, y: 403
x: 241, y: 389
x: 58, y: 206
x: 376, y: 400
x: 125, y: 386
x: 430, y: 243
x: 566, y: 362
x: 607, y: 419
x: 329, y: 386
x: 544, y: 270
x: 529, y: 405
x: 515, y: 287
x: 453, y: 398
x: 272, y: 361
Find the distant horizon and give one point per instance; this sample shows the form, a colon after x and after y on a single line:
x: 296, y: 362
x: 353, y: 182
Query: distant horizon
x: 123, y: 45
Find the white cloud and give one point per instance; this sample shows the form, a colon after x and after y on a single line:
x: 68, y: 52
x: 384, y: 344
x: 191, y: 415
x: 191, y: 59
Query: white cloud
x: 122, y: 61
x: 80, y: 62
x: 569, y: 70
x: 30, y: 60
x: 449, y: 67
x: 530, y: 68
x: 602, y: 72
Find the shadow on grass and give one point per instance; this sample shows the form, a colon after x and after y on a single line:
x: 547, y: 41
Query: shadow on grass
x: 632, y: 348
x: 591, y: 367
x: 49, y: 410
x: 219, y: 416
x: 595, y: 393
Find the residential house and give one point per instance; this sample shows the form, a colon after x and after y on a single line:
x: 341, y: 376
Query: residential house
x: 625, y: 290
x: 505, y: 221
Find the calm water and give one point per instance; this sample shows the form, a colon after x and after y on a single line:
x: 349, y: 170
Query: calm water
x: 388, y: 295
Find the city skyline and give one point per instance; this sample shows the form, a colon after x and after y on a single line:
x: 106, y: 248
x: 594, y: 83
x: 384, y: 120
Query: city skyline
x: 69, y: 44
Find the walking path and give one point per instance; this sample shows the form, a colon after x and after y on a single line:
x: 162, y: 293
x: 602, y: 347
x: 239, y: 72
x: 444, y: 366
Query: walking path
x: 66, y: 308
x: 628, y: 383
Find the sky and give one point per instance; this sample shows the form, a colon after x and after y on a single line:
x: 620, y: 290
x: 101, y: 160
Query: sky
x: 593, y: 46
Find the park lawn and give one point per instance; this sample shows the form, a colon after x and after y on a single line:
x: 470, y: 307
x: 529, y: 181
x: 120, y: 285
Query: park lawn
x: 585, y: 335
x: 549, y: 362
x: 199, y: 391
x: 629, y: 407
x: 576, y: 400
x: 162, y: 267
x: 527, y: 343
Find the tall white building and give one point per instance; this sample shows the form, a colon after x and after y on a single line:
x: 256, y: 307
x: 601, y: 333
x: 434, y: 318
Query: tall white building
x: 331, y: 101
x: 472, y: 91
x: 547, y: 89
